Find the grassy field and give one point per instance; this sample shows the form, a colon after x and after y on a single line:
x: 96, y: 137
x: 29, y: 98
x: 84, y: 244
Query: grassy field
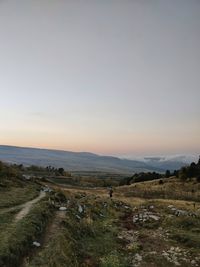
x: 140, y: 226
x: 13, y: 196
x: 168, y: 188
x: 16, y: 237
x: 104, y: 233
x: 88, y: 179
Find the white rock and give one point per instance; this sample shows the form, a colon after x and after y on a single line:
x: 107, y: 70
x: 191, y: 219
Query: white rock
x: 138, y: 257
x: 181, y: 212
x: 135, y: 219
x: 164, y: 253
x: 62, y: 208
x: 177, y: 263
x: 177, y: 249
x: 80, y: 209
x: 154, y: 217
x: 36, y: 244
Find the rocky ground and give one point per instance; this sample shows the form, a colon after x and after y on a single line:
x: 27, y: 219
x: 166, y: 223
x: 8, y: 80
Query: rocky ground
x: 87, y: 228
x: 111, y: 232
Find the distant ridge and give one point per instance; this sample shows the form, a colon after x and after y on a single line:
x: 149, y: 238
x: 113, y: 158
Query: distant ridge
x: 77, y: 161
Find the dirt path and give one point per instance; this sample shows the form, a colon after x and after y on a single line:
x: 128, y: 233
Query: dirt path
x: 52, y: 229
x: 48, y: 234
x: 27, y: 206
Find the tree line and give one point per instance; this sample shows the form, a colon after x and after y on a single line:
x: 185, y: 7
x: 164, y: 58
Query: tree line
x: 185, y: 173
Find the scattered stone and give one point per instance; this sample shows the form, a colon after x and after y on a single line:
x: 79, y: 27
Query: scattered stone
x: 145, y: 216
x: 192, y: 214
x: 138, y: 257
x: 62, y: 208
x: 36, y: 244
x: 181, y: 213
x: 46, y: 189
x: 178, y: 212
x: 173, y: 209
x: 78, y: 217
x: 80, y: 209
x: 176, y: 255
x: 137, y: 260
x: 154, y: 217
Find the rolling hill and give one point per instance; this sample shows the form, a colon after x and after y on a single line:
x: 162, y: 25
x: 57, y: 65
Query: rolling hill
x: 79, y: 161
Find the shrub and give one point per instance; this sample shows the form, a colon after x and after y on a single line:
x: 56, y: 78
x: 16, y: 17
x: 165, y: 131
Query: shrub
x: 198, y: 179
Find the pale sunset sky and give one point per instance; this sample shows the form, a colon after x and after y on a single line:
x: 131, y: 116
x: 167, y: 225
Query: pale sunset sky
x: 107, y: 76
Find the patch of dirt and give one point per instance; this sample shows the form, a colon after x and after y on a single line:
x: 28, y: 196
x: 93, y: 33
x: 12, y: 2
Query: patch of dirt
x: 48, y: 234
x: 27, y: 206
x: 53, y: 227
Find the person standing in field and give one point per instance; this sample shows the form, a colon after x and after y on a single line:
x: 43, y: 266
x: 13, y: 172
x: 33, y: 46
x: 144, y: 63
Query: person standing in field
x: 110, y: 192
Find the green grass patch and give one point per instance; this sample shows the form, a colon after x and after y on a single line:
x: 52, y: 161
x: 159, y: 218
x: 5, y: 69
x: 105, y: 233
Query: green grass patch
x: 13, y: 196
x: 6, y: 219
x: 17, y: 238
x: 186, y: 238
x: 60, y: 252
x: 88, y: 241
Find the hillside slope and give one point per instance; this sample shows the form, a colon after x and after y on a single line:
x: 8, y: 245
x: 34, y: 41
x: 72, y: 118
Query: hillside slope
x: 74, y: 161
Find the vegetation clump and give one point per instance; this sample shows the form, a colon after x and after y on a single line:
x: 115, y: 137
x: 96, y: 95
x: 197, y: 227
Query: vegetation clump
x: 190, y: 172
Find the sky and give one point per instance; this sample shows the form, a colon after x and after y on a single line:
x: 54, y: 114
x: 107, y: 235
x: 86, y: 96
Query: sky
x: 111, y: 77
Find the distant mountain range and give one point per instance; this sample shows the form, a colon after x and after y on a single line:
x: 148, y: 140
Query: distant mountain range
x: 84, y: 161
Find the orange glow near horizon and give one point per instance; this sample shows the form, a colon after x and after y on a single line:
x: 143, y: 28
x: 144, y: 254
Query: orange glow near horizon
x: 112, y: 84
x: 136, y: 146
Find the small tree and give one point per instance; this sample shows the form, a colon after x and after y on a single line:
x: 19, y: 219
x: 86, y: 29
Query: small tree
x: 183, y: 174
x: 167, y: 174
x: 191, y: 170
x: 61, y: 171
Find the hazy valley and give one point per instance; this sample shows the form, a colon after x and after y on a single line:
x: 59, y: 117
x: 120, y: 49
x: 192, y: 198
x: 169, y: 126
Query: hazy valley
x: 74, y: 161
